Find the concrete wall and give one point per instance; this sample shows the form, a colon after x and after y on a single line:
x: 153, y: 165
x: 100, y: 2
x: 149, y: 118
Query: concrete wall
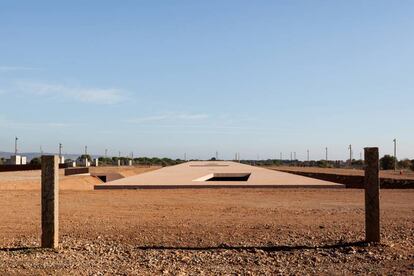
x: 357, y: 181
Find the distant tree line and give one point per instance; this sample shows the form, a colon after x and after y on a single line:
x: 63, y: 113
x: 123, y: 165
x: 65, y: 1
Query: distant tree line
x: 149, y: 161
x: 298, y: 163
x: 387, y: 162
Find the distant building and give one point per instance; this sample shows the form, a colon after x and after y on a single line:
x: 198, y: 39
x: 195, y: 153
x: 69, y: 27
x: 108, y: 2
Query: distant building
x: 17, y: 160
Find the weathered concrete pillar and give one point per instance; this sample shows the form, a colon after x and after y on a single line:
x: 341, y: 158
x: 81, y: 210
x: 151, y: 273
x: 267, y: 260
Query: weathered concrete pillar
x: 372, y: 208
x: 50, y: 201
x: 119, y: 162
x: 86, y: 162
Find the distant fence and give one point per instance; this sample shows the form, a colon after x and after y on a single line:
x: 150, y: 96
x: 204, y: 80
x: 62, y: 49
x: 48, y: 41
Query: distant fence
x: 357, y: 181
x: 27, y: 167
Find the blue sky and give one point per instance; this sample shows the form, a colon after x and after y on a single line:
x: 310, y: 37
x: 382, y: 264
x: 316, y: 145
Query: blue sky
x: 161, y: 78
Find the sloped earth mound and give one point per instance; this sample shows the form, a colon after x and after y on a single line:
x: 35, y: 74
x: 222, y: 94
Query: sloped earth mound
x: 30, y: 180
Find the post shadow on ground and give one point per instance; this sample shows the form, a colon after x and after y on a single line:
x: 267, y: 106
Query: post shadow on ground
x: 273, y: 248
x: 22, y: 248
x: 276, y: 248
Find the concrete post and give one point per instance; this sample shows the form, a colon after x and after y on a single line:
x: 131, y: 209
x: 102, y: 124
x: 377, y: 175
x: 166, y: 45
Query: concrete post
x: 50, y: 201
x: 372, y: 208
x: 119, y: 162
x: 86, y: 162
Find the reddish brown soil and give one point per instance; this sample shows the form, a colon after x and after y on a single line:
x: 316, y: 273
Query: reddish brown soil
x: 274, y: 231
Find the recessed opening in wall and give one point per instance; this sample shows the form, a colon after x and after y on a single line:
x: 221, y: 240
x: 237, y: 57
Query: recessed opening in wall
x: 102, y: 177
x: 229, y: 177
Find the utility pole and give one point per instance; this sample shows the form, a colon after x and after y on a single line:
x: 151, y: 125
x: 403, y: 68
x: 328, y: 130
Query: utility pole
x: 294, y: 154
x: 106, y: 153
x: 119, y: 154
x: 395, y: 154
x: 308, y: 154
x: 15, y: 145
x: 326, y: 153
x: 291, y: 158
x: 185, y: 156
x: 350, y: 155
x: 281, y: 156
x: 216, y: 155
x: 60, y: 151
x: 86, y: 150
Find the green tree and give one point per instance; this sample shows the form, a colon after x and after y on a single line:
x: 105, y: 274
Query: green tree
x: 105, y: 160
x: 323, y: 164
x: 35, y: 161
x: 357, y: 162
x: 387, y: 162
x: 404, y: 164
x: 83, y: 156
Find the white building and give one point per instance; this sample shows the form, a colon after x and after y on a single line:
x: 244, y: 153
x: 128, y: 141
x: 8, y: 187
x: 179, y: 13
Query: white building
x: 61, y: 160
x: 17, y: 160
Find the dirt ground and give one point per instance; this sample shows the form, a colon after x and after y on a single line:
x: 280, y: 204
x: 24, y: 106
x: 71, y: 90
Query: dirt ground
x: 405, y: 174
x: 211, y: 231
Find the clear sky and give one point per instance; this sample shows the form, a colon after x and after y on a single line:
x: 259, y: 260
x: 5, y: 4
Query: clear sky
x: 161, y: 78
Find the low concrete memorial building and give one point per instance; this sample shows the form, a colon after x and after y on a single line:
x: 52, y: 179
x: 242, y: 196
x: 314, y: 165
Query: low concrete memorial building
x: 216, y: 174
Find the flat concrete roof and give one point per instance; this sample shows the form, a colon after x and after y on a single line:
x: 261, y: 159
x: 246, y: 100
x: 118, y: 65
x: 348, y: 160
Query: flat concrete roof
x: 207, y: 174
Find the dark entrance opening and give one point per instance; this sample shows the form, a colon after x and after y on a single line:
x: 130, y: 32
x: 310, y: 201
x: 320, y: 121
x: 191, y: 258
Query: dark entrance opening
x: 102, y: 177
x: 229, y: 177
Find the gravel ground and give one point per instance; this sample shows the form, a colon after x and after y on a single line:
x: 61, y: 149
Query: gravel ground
x: 208, y: 232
